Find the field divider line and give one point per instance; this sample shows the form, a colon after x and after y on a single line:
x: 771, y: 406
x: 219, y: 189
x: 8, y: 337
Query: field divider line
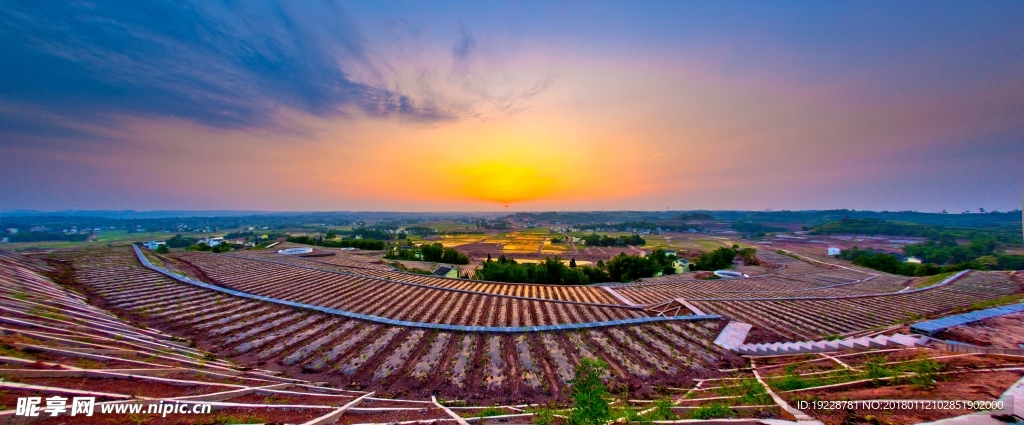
x: 800, y: 416
x: 450, y: 412
x: 333, y: 417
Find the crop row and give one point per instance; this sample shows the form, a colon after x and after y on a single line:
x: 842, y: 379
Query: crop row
x: 812, y: 319
x: 782, y: 285
x: 585, y: 294
x: 394, y: 300
x: 380, y: 356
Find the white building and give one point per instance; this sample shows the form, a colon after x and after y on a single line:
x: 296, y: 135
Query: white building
x: 153, y: 244
x: 833, y: 251
x: 211, y: 242
x: 914, y: 260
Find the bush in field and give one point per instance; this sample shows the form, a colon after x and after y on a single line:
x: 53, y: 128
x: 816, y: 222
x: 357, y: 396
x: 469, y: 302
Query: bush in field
x: 925, y: 373
x: 594, y: 239
x: 589, y: 394
x: 162, y: 249
x: 439, y: 254
x: 550, y: 271
x: 179, y: 241
x: 343, y: 243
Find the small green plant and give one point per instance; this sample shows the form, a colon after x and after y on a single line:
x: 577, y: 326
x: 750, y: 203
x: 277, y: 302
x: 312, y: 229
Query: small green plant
x: 925, y: 373
x: 238, y: 419
x: 749, y: 391
x: 633, y: 417
x: 543, y: 416
x: 662, y: 411
x: 137, y: 418
x: 491, y: 411
x: 790, y: 382
x: 589, y: 394
x: 877, y: 370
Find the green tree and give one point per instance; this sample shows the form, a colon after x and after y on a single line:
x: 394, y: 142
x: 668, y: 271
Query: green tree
x: 162, y: 249
x: 715, y: 260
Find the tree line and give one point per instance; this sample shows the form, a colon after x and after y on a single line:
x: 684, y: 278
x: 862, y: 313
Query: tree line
x: 434, y: 252
x: 869, y: 226
x: 368, y: 244
x: 722, y: 258
x: 553, y: 271
x: 594, y: 239
x: 937, y: 257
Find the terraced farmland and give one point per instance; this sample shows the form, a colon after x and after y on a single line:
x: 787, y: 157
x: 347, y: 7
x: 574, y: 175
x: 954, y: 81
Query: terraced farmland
x: 366, y: 355
x: 810, y: 299
x: 357, y: 326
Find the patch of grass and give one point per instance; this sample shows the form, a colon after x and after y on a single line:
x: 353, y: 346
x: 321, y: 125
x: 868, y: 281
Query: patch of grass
x: 630, y: 416
x: 711, y: 412
x: 931, y: 280
x: 790, y: 383
x: 491, y: 411
x: 47, y: 313
x: 662, y: 411
x: 543, y: 416
x: 876, y: 369
x: 926, y: 372
x: 238, y: 419
x: 749, y: 391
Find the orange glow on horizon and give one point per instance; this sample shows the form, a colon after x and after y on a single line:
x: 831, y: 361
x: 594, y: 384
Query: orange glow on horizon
x: 504, y: 183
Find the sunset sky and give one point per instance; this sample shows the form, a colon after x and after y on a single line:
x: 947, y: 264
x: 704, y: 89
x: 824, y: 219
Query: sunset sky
x: 471, y: 106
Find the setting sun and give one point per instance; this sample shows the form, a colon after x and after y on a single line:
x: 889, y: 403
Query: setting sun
x: 504, y: 182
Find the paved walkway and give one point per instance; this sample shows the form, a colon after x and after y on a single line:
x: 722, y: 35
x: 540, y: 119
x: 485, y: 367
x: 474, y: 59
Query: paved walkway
x: 618, y: 296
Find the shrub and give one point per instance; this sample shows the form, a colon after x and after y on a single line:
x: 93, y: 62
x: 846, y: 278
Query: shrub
x: 588, y: 393
x: 926, y: 373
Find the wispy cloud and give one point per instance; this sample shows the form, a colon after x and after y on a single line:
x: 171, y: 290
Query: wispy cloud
x: 223, y: 65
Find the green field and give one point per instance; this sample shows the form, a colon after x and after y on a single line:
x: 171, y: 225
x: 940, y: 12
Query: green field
x: 116, y: 237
